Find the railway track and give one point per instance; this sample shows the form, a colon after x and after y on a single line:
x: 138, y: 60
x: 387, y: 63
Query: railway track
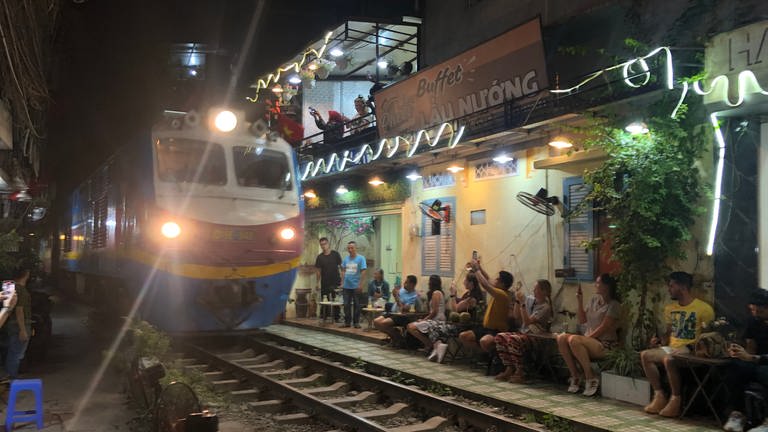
x: 300, y: 388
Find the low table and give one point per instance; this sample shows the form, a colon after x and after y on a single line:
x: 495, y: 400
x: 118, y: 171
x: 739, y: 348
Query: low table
x: 327, y: 309
x: 705, y: 371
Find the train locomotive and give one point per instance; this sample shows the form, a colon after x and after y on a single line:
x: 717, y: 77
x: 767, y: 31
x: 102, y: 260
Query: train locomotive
x: 200, y: 229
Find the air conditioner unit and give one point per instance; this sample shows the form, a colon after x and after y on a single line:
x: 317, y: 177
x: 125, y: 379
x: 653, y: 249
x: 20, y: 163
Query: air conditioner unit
x: 6, y: 128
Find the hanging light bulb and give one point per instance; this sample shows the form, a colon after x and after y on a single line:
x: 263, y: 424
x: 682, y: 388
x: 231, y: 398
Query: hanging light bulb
x: 637, y: 128
x: 502, y: 158
x: 376, y: 181
x: 382, y: 63
x: 455, y: 168
x: 561, y: 142
x: 294, y: 79
x: 413, y: 176
x: 336, y: 52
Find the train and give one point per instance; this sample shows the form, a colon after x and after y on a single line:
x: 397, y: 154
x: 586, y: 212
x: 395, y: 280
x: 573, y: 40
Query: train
x: 198, y: 229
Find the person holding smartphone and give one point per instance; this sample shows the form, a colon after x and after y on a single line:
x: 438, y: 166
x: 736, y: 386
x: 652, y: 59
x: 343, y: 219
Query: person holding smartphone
x: 601, y: 317
x: 749, y: 364
x: 19, y: 323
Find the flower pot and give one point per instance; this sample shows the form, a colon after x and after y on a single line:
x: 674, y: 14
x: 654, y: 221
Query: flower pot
x: 632, y: 390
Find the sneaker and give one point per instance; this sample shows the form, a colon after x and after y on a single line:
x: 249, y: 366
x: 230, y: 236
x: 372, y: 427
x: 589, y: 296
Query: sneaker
x: 657, y: 404
x: 441, y: 349
x: 574, y: 384
x: 356, y: 326
x: 591, y: 386
x: 518, y: 378
x: 432, y: 355
x: 345, y: 325
x: 735, y: 422
x: 673, y: 407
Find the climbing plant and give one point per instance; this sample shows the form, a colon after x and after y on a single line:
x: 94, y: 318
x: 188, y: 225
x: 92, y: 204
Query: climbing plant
x: 649, y: 188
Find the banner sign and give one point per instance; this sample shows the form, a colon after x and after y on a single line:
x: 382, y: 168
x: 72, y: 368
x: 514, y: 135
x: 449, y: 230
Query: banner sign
x: 507, y: 67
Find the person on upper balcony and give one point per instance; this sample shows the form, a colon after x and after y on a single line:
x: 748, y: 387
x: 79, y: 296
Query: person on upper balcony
x: 362, y: 119
x: 333, y: 129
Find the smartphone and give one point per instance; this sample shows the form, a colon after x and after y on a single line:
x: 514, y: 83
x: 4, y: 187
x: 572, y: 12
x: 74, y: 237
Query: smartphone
x: 9, y: 287
x: 312, y: 110
x: 474, y: 255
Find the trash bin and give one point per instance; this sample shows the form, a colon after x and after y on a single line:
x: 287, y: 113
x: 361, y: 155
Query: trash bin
x: 302, y: 302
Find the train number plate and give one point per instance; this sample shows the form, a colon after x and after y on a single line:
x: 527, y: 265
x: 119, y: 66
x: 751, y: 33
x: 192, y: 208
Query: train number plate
x: 233, y: 234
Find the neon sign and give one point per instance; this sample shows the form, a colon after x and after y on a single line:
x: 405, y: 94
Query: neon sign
x: 746, y: 83
x: 387, y: 147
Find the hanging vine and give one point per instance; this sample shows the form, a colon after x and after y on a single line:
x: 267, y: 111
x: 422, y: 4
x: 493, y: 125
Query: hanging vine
x: 650, y: 189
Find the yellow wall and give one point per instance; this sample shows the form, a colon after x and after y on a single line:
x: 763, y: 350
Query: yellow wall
x: 514, y: 238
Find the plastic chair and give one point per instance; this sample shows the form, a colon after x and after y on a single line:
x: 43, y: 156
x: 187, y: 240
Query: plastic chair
x: 12, y: 416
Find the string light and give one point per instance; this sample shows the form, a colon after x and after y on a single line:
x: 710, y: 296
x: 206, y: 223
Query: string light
x: 338, y: 160
x: 263, y: 83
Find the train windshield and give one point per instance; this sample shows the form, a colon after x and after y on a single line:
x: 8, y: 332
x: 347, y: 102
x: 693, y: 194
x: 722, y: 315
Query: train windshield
x: 193, y: 161
x: 260, y: 167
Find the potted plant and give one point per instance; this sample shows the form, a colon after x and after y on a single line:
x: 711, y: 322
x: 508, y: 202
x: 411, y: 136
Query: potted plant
x: 622, y: 377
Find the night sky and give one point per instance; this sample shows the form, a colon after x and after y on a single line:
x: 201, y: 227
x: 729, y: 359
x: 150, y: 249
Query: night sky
x: 110, y: 78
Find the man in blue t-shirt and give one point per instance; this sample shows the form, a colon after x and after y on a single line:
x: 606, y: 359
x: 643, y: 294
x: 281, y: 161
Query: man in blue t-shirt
x: 405, y: 301
x: 352, y: 275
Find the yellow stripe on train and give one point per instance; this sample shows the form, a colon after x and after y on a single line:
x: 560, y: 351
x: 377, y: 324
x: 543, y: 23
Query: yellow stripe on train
x: 199, y: 271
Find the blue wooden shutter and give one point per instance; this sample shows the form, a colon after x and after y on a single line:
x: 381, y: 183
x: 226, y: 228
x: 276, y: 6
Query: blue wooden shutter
x: 578, y: 229
x: 438, y: 251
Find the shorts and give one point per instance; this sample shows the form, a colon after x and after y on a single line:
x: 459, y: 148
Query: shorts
x: 481, y: 331
x: 400, y: 320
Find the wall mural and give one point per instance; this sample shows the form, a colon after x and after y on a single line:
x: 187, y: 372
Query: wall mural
x: 341, y: 231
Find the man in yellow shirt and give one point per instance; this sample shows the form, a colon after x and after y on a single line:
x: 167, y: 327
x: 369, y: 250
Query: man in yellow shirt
x: 684, y: 319
x: 495, y: 319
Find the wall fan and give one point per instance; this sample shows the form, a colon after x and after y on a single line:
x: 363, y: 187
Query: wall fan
x: 437, y: 213
x: 540, y: 203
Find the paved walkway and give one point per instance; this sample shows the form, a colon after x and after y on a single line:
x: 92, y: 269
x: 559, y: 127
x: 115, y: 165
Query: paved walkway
x: 595, y: 413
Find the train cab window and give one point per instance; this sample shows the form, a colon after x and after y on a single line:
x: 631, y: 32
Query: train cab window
x: 260, y: 167
x: 185, y: 160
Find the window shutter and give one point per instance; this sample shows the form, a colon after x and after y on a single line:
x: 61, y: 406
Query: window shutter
x: 578, y: 229
x: 439, y: 250
x: 100, y: 208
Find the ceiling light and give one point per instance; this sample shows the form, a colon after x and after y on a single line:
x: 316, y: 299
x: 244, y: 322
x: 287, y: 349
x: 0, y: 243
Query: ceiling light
x: 413, y: 176
x: 277, y: 88
x: 502, y: 158
x: 341, y: 190
x: 376, y: 181
x: 294, y: 79
x: 383, y: 63
x: 312, y: 66
x: 310, y: 194
x: 561, y: 142
x: 336, y: 52
x: 455, y: 168
x: 637, y: 128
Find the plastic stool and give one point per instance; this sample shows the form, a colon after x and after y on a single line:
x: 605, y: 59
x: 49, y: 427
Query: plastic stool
x: 12, y: 416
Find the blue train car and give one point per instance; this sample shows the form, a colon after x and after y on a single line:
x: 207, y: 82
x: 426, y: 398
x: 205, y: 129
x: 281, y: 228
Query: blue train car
x: 198, y: 229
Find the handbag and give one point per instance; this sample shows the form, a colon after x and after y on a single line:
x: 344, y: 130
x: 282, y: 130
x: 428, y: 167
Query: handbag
x: 710, y: 345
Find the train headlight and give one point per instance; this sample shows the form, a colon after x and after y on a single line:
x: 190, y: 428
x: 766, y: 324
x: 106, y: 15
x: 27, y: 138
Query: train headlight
x: 170, y: 230
x: 225, y: 121
x: 287, y: 233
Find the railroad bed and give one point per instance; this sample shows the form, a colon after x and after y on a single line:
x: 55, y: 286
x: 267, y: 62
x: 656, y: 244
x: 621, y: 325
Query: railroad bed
x: 299, y: 388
